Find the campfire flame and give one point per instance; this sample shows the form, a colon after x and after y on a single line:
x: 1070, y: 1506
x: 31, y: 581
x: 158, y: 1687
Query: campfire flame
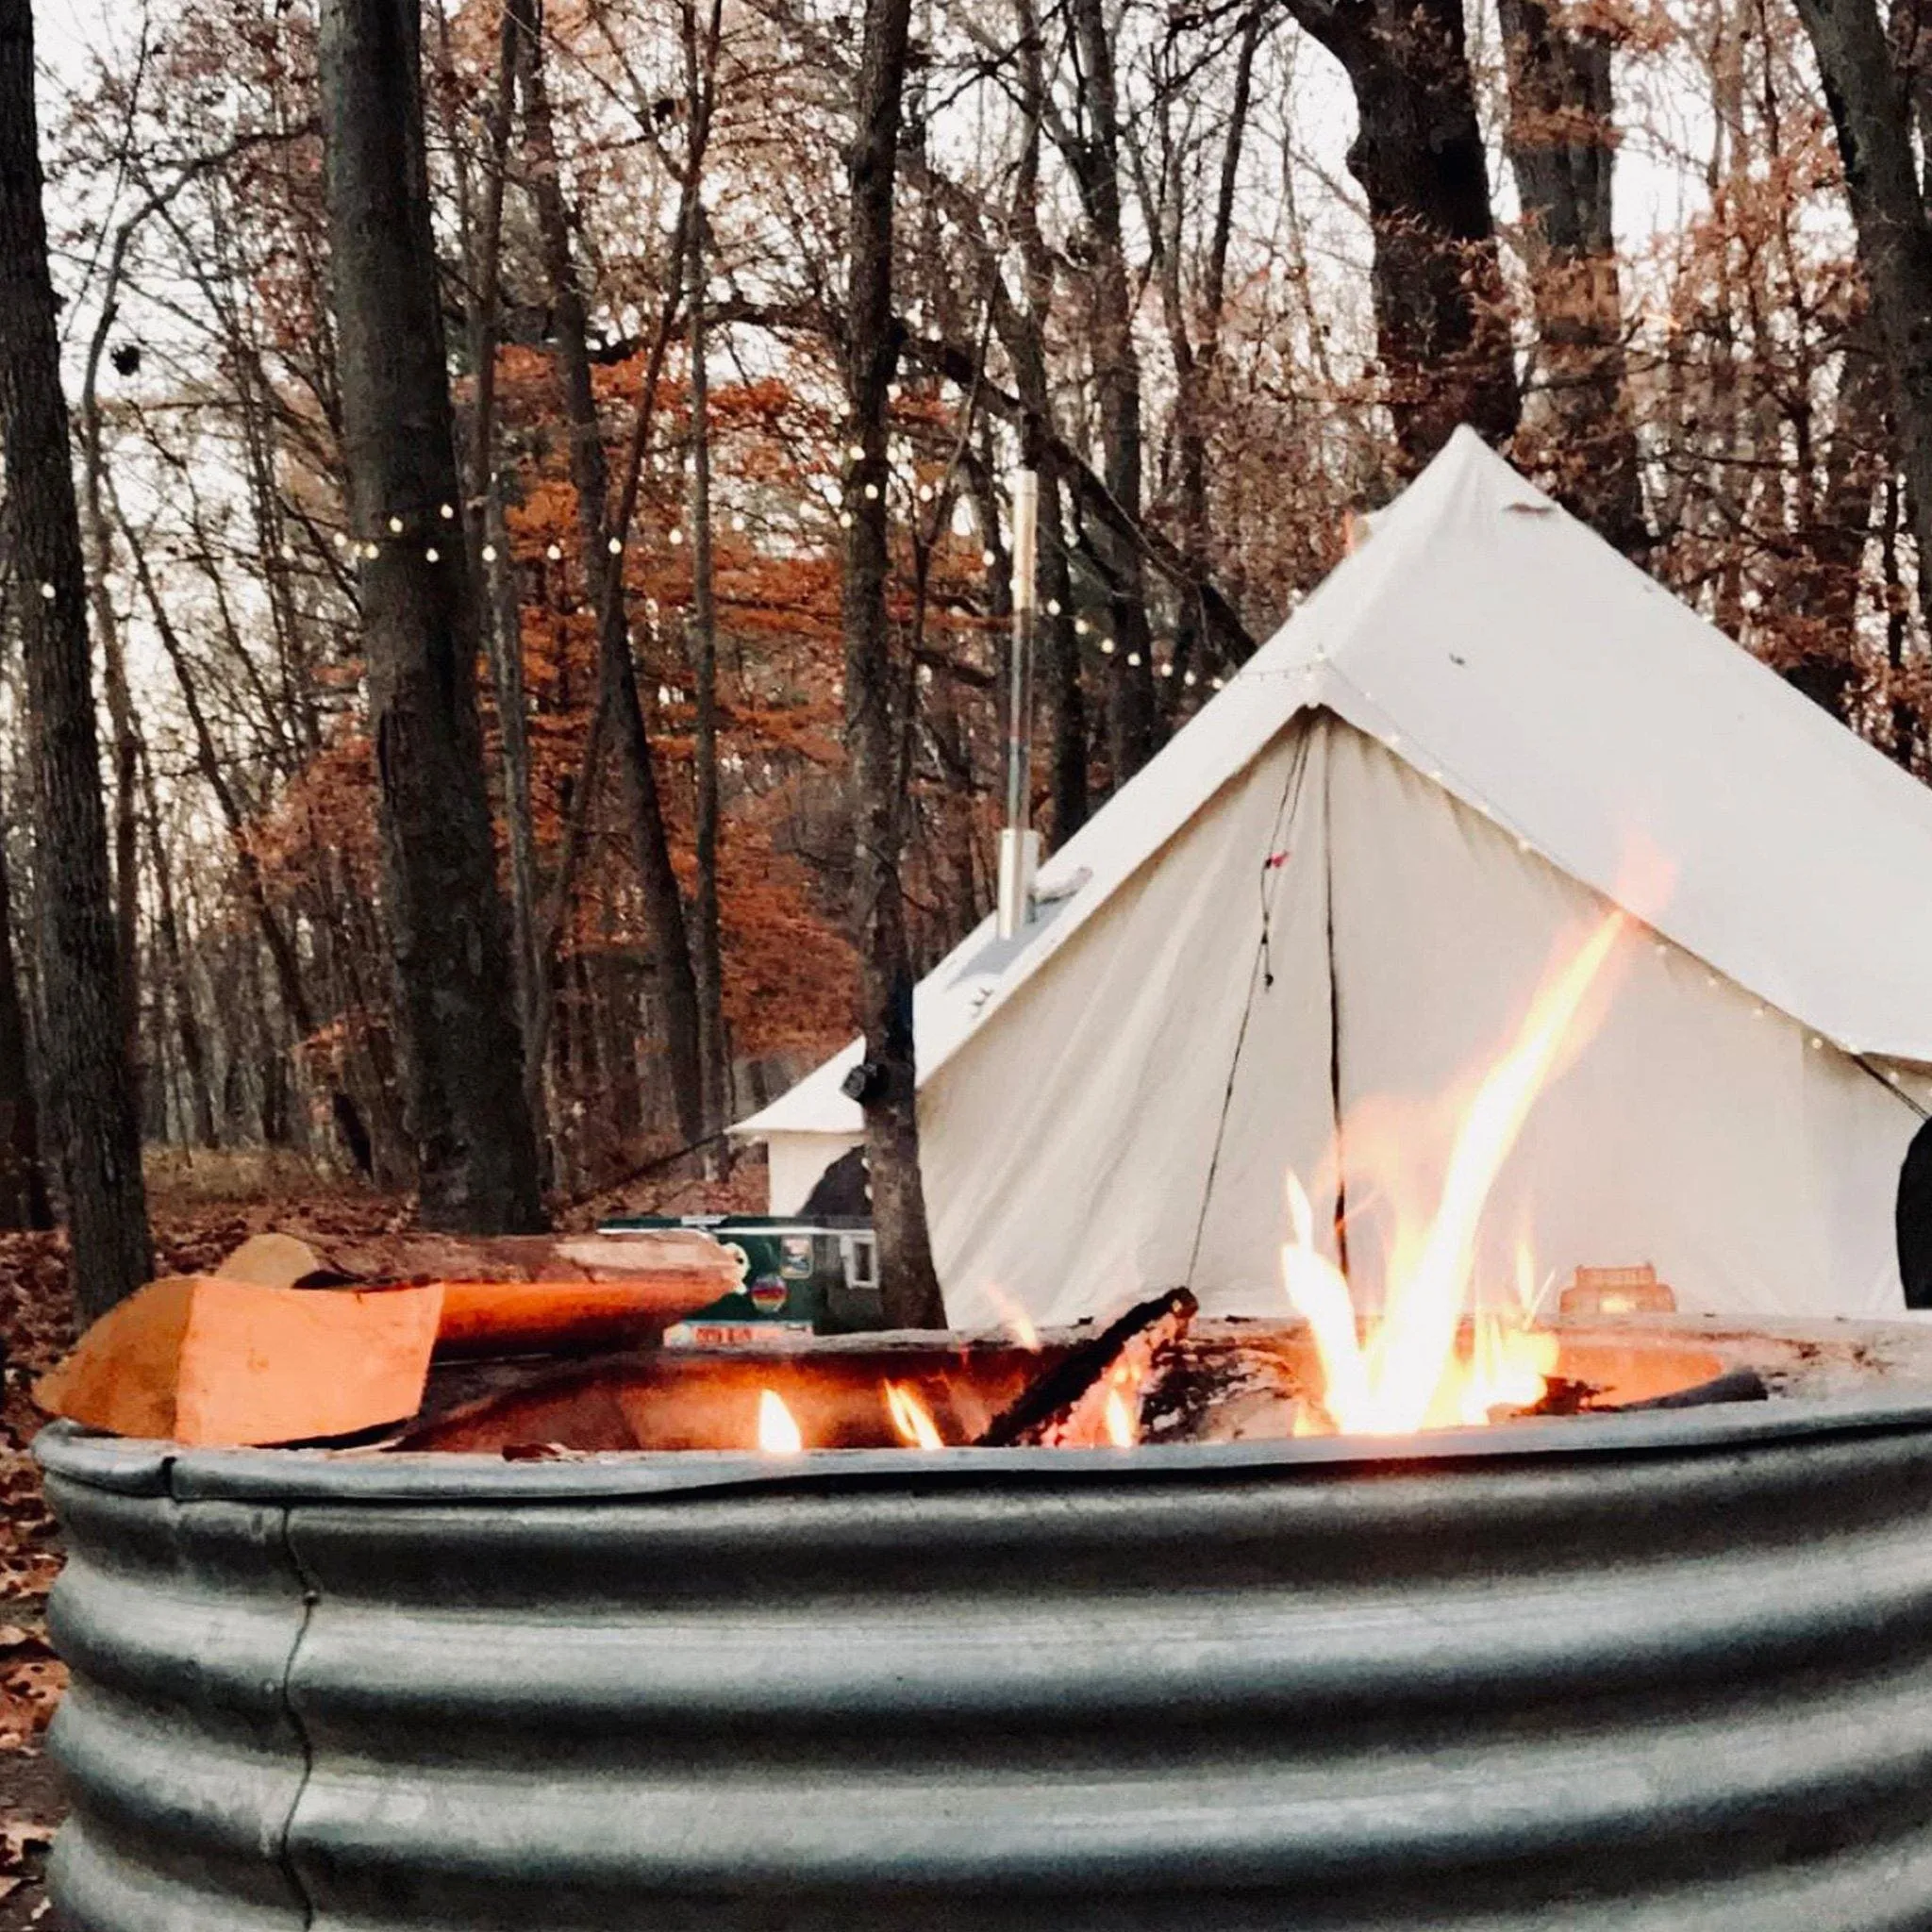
x: 911, y: 1417
x: 1014, y: 1319
x: 1120, y: 1415
x: 1407, y: 1371
x: 778, y: 1433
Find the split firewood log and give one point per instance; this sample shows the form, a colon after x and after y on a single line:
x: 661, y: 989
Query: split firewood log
x: 516, y: 1294
x: 201, y: 1359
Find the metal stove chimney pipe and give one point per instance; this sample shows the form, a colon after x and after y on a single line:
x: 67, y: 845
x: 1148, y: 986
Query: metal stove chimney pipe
x: 1019, y: 842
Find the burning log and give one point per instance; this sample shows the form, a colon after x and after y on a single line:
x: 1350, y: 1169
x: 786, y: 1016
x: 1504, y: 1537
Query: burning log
x: 1735, y: 1385
x: 1089, y: 1399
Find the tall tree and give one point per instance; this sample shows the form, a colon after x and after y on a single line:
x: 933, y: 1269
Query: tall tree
x: 1442, y: 323
x: 604, y: 572
x: 23, y: 1187
x: 90, y: 1081
x: 1870, y: 102
x: 1563, y: 147
x: 700, y: 85
x: 874, y: 725
x: 462, y: 1046
x: 1093, y: 148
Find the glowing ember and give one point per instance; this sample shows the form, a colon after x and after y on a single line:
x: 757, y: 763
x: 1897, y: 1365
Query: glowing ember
x: 911, y: 1417
x: 1409, y: 1372
x: 777, y: 1429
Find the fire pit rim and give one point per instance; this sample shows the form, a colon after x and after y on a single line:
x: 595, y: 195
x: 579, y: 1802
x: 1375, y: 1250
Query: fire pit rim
x: 136, y: 1468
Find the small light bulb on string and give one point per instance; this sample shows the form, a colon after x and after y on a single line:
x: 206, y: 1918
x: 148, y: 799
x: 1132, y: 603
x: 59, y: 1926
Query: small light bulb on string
x: 448, y: 511
x: 490, y: 553
x: 615, y: 546
x: 288, y: 553
x: 1189, y: 679
x: 676, y: 537
x: 47, y: 593
x: 989, y: 558
x: 926, y: 492
x: 1167, y: 669
x: 432, y: 555
x: 1081, y: 627
x: 857, y: 451
x: 871, y: 492
x: 342, y: 540
x: 1134, y: 658
x: 1817, y: 1044
x: 844, y: 519
x: 1107, y: 647
x: 738, y: 523
x: 395, y: 527
x: 1220, y: 683
x: 554, y: 553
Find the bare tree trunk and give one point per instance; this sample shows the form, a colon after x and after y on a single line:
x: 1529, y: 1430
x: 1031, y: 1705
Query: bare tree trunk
x: 124, y: 742
x: 461, y: 1047
x: 872, y: 729
x: 90, y: 1083
x: 603, y: 571
x: 1095, y: 160
x: 1440, y: 320
x: 1066, y: 698
x: 700, y: 71
x: 1870, y: 107
x: 490, y: 562
x: 1562, y: 146
x: 23, y: 1187
x: 1197, y: 363
x: 168, y: 929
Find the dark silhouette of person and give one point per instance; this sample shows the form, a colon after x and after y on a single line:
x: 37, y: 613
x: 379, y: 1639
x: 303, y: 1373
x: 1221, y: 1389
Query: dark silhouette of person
x: 1915, y: 1220
x: 843, y: 1192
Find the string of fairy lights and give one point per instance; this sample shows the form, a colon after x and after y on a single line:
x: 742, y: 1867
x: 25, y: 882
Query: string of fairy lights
x: 397, y: 528
x: 1317, y: 667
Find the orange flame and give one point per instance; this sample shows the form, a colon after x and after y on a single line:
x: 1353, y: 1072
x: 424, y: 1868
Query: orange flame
x: 1120, y: 1415
x: 777, y: 1428
x: 911, y: 1417
x: 1409, y: 1373
x: 1014, y: 1319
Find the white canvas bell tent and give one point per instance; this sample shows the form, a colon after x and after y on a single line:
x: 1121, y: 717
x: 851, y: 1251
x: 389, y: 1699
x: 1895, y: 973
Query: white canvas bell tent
x: 1345, y: 878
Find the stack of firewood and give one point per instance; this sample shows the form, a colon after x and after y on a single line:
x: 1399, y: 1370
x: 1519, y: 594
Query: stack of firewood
x: 288, y: 1342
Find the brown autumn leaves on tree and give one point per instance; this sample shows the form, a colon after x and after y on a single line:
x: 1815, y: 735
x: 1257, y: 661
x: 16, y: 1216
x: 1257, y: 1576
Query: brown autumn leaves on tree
x: 530, y: 864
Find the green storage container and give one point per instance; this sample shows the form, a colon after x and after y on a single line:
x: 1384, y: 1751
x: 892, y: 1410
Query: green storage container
x: 819, y: 1277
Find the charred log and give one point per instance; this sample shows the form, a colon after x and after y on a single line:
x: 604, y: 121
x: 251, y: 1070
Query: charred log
x: 1063, y: 1408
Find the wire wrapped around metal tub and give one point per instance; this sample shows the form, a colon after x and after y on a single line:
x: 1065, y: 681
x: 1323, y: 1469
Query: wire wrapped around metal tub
x: 1646, y: 1671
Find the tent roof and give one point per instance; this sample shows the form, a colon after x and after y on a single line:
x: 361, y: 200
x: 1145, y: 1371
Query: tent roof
x: 1508, y: 652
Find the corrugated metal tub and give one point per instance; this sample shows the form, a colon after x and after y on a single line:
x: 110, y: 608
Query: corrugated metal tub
x: 1643, y: 1671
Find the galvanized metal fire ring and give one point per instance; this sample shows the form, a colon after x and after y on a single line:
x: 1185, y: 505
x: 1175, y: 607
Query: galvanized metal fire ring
x: 1641, y: 1671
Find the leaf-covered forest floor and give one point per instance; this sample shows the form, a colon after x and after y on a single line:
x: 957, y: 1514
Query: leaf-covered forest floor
x: 201, y: 1209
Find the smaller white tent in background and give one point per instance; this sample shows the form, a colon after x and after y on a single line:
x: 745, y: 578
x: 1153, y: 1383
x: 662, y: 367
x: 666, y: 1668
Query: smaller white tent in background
x: 1345, y: 879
